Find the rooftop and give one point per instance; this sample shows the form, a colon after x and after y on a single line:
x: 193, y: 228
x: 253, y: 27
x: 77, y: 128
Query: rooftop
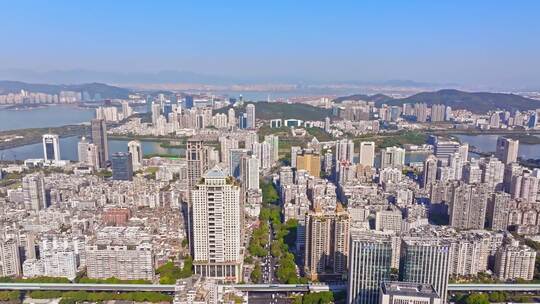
x: 215, y: 172
x: 409, y: 289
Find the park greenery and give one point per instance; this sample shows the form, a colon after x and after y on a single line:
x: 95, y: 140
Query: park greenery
x: 70, y: 297
x: 10, y: 296
x: 259, y: 240
x: 319, y: 133
x: 34, y: 280
x: 324, y: 297
x: 169, y: 273
x: 493, y: 297
x: 256, y: 274
x: 285, y: 238
x: 271, y: 110
x: 269, y: 192
x: 403, y: 138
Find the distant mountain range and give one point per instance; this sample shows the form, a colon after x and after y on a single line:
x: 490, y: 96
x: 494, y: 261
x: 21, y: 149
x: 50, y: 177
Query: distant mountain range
x: 479, y: 102
x: 104, y: 90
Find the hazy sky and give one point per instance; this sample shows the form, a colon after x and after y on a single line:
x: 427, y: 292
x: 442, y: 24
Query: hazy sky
x: 468, y: 42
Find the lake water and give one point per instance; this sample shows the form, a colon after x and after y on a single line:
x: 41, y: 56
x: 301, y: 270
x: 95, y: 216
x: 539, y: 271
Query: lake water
x: 50, y: 116
x: 68, y: 149
x: 488, y: 143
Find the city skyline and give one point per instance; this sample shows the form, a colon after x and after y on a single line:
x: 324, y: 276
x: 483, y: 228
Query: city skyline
x: 281, y: 153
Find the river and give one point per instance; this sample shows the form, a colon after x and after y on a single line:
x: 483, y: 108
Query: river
x: 68, y: 149
x: 488, y: 143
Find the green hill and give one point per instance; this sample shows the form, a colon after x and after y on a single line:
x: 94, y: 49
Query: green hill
x: 274, y: 110
x: 477, y: 102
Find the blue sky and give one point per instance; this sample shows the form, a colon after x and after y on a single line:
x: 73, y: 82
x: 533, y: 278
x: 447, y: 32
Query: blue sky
x: 468, y: 42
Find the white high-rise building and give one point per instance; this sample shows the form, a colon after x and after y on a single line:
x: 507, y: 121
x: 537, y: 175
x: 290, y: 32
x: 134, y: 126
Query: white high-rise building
x: 10, y: 263
x: 250, y: 172
x: 367, y: 153
x: 51, y: 147
x: 156, y: 112
x: 127, y: 111
x: 216, y: 227
x: 99, y: 138
x: 250, y: 112
x: 59, y: 264
x: 294, y: 152
x: 82, y: 148
x: 515, y: 261
x: 33, y: 187
x: 231, y: 118
x: 392, y: 157
x: 273, y: 140
x: 92, y: 156
x: 135, y: 148
x: 345, y: 150
x: 507, y: 150
x: 493, y: 173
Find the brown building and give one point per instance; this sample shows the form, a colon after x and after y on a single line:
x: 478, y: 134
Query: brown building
x: 310, y: 162
x: 327, y: 243
x: 116, y: 216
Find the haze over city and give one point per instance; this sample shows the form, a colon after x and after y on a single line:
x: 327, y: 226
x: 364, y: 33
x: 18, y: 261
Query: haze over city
x: 476, y: 44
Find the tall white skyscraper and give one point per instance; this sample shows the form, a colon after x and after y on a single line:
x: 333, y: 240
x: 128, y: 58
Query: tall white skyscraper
x: 507, y: 150
x: 345, y: 150
x: 250, y: 172
x: 33, y: 187
x: 250, y: 111
x: 156, y: 112
x: 82, y: 148
x: 99, y: 138
x: 216, y: 217
x: 294, y: 152
x: 135, y: 148
x: 51, y: 147
x: 430, y: 171
x: 231, y: 118
x: 367, y: 153
x: 273, y: 140
x: 10, y: 261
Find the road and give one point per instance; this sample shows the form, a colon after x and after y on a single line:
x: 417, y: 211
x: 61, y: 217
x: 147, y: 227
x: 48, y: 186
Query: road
x: 269, y: 262
x: 268, y: 298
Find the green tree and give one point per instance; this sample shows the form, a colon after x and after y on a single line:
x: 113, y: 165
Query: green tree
x: 269, y: 192
x: 324, y: 297
x: 477, y: 298
x: 256, y: 274
x: 498, y: 297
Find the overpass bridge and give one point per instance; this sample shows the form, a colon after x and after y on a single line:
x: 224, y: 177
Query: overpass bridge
x: 316, y: 287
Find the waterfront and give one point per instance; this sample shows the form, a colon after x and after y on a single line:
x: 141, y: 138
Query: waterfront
x: 488, y: 143
x: 68, y: 149
x: 48, y: 116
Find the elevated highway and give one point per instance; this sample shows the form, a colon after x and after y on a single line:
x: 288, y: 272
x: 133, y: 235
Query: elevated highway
x: 248, y: 287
